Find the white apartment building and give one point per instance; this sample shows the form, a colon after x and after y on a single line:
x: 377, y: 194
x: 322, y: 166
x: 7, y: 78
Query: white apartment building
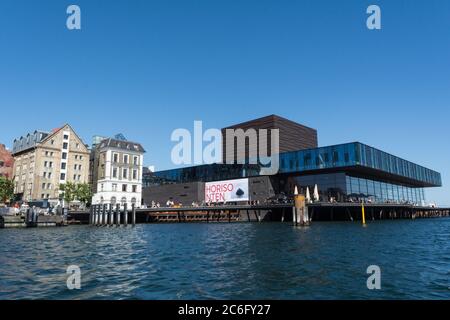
x: 116, y: 172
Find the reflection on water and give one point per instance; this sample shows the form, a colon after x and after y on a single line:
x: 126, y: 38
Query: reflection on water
x: 229, y: 261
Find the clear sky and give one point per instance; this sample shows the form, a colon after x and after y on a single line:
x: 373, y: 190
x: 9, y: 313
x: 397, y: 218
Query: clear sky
x: 145, y: 68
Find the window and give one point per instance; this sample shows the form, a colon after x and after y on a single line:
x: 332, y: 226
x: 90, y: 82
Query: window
x: 64, y: 155
x: 46, y: 153
x: 48, y: 196
x: 49, y: 175
x: 65, y: 145
x: 307, y: 159
x: 74, y: 177
x: 81, y: 157
x: 45, y: 175
x: 42, y: 196
x: 50, y: 164
x: 101, y: 187
x: 124, y: 173
x: 79, y: 177
x: 79, y: 167
x: 133, y: 201
x: 124, y: 188
x: 113, y: 200
x: 134, y: 174
x: 134, y: 188
x: 51, y: 154
x: 335, y: 157
x: 135, y: 161
x: 49, y: 186
x: 63, y: 165
x: 45, y: 164
x: 114, y: 187
x: 125, y: 158
x: 43, y: 186
x: 62, y: 176
x: 123, y: 200
x: 66, y: 137
x: 75, y: 167
x: 52, y: 142
x: 77, y: 146
x: 114, y: 173
x: 76, y: 157
x: 115, y: 157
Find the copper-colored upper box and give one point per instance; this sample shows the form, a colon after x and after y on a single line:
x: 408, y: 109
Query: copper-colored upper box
x: 293, y: 136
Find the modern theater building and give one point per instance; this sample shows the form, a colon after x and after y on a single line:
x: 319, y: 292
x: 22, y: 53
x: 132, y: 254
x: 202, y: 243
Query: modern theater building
x: 346, y: 172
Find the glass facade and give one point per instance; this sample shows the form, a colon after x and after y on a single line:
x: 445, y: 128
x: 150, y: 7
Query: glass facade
x: 382, y: 192
x: 356, y: 154
x: 352, y: 171
x: 213, y: 172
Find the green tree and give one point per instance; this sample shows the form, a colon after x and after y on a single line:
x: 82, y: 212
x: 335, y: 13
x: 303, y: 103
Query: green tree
x: 84, y: 193
x: 69, y: 191
x: 76, y: 191
x: 6, y: 189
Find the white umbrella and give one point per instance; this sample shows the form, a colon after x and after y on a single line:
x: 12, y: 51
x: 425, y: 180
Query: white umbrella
x: 296, y: 191
x: 316, y: 193
x: 308, y: 195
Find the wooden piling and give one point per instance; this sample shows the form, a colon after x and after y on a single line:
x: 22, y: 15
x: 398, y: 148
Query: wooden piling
x: 105, y: 214
x: 118, y: 215
x: 91, y: 214
x: 294, y: 216
x: 100, y: 213
x: 133, y: 214
x: 111, y: 215
x: 97, y: 218
x: 125, y: 214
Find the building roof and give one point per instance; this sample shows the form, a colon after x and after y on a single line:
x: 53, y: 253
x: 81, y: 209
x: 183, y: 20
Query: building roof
x: 28, y: 141
x: 121, y: 144
x: 273, y: 118
x: 31, y: 140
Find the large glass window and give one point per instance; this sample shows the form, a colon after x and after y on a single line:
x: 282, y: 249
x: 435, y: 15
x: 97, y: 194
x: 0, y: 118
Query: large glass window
x: 359, y: 189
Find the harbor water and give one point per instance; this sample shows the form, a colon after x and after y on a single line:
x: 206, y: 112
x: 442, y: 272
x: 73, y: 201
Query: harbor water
x: 327, y: 260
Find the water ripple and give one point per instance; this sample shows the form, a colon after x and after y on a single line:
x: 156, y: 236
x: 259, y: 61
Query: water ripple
x: 229, y: 261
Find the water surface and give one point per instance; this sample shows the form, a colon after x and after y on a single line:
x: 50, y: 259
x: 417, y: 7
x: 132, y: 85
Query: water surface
x: 229, y: 261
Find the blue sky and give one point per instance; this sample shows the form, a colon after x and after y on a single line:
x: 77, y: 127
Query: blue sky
x: 144, y: 68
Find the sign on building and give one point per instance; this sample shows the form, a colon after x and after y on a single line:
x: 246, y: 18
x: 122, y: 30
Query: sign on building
x: 227, y: 191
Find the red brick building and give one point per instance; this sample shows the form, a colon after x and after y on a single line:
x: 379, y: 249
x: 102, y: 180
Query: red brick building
x: 6, y: 162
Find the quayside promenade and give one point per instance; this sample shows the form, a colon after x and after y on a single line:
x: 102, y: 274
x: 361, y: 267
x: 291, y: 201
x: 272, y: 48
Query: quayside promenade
x: 107, y: 215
